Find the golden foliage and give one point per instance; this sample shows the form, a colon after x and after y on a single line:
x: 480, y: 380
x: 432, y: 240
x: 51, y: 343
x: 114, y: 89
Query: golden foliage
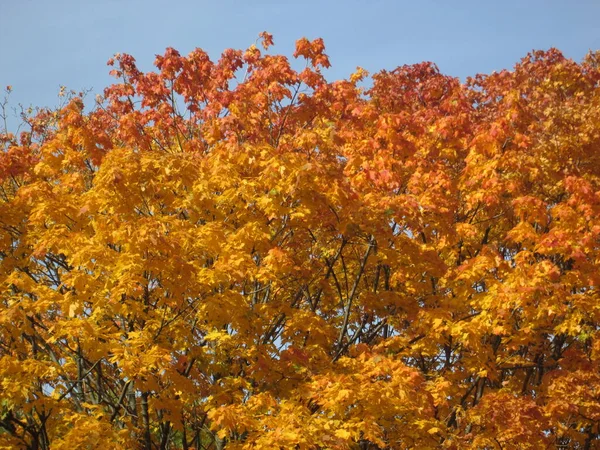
x: 236, y: 254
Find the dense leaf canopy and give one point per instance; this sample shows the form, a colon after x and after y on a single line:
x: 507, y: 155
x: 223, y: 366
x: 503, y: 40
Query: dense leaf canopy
x: 240, y: 254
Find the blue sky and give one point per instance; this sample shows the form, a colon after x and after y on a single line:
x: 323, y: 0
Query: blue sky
x: 48, y: 43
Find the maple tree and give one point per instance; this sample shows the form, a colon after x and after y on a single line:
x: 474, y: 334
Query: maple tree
x: 237, y: 254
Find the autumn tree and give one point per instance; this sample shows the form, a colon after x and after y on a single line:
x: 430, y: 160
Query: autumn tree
x: 240, y: 254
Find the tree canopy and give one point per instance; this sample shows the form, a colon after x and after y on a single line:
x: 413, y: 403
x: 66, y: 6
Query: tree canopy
x: 243, y: 255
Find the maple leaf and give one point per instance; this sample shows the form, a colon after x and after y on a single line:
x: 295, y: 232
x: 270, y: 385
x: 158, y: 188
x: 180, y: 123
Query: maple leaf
x: 281, y: 261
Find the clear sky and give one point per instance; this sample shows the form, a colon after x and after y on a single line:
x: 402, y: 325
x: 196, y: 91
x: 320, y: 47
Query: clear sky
x: 48, y: 43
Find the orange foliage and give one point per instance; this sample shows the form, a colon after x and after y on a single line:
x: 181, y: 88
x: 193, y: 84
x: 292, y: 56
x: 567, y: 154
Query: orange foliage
x: 239, y: 255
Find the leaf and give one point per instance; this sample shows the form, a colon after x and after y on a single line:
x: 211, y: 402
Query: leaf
x: 237, y: 253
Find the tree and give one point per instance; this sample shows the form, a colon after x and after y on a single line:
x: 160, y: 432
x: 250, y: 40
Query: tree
x: 237, y: 254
